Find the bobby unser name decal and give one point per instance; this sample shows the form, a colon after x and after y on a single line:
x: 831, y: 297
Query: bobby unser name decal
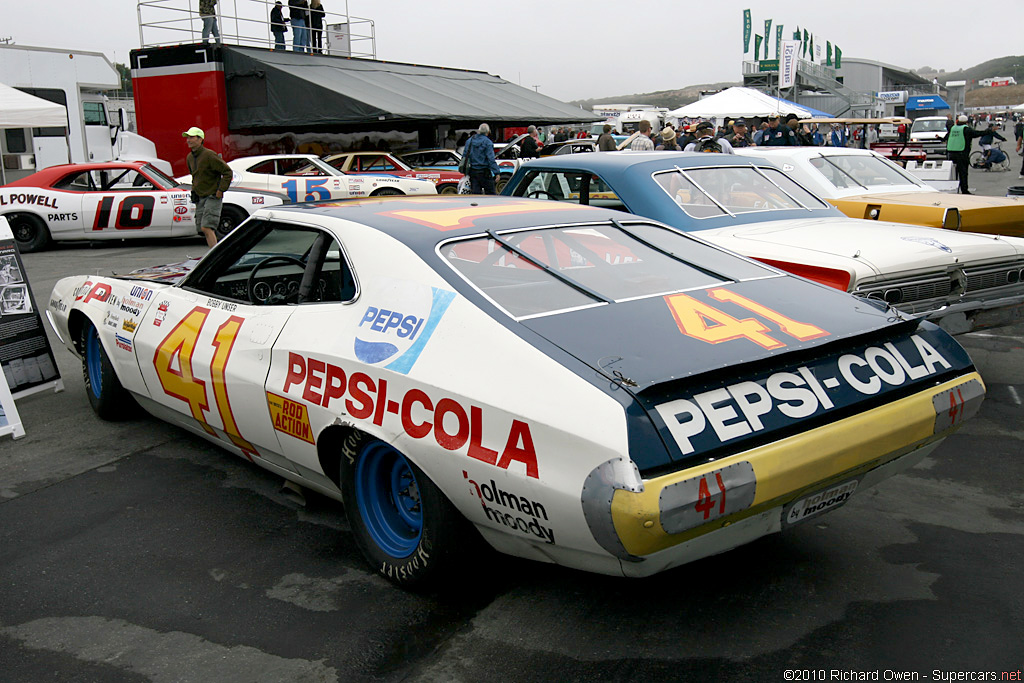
x: 711, y: 418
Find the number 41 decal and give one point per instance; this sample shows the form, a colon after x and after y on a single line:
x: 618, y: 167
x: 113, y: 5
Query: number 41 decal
x: 181, y: 383
x: 705, y: 322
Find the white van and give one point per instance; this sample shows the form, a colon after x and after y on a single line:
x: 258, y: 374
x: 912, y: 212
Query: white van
x: 928, y: 129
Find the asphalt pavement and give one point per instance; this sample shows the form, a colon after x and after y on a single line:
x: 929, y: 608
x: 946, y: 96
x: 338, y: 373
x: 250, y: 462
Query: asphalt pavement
x: 133, y: 551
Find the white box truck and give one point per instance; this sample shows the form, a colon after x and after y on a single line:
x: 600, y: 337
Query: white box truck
x: 78, y: 80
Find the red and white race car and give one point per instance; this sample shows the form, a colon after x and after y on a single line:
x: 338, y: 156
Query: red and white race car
x: 110, y: 201
x: 382, y: 163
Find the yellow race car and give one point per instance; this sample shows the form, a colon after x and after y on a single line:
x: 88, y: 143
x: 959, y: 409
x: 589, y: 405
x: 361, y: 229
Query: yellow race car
x: 864, y: 184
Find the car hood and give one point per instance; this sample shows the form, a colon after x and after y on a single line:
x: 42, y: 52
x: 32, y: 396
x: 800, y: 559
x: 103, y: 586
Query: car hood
x: 169, y: 274
x: 863, y: 247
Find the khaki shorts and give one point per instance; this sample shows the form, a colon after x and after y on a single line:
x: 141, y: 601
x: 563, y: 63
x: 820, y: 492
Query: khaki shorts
x: 208, y: 212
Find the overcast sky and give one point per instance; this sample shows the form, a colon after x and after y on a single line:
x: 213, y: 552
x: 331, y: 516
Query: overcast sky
x: 580, y: 50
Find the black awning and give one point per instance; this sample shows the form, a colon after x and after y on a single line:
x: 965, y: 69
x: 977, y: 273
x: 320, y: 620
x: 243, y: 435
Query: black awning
x: 277, y: 89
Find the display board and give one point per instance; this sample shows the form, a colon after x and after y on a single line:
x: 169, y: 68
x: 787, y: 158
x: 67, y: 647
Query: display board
x: 25, y: 354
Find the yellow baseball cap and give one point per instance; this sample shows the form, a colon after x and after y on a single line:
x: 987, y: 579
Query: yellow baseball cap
x: 198, y: 132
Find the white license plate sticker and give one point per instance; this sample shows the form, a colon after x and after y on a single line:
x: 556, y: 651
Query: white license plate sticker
x: 955, y: 405
x: 819, y: 502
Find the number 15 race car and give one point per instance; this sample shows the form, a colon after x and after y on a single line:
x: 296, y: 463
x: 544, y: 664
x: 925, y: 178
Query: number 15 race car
x: 573, y: 384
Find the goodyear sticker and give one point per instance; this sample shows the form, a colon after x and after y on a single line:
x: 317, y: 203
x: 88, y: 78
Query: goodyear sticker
x: 290, y: 417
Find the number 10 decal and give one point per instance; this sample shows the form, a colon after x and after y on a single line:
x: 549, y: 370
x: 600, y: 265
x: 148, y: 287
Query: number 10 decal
x: 124, y: 220
x: 181, y: 383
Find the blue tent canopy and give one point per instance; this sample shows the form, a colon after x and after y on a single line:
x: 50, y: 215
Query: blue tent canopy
x: 920, y: 102
x: 816, y: 113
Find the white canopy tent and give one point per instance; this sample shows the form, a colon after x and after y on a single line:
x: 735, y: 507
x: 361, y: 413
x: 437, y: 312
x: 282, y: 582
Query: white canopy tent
x: 1019, y: 107
x: 739, y: 101
x: 20, y: 110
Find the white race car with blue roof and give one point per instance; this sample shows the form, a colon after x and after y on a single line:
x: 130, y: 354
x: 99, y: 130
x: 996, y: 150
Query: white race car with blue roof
x: 573, y: 385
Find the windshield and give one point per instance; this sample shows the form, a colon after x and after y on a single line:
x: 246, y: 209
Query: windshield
x: 928, y: 126
x: 157, y: 175
x: 725, y: 190
x: 536, y: 272
x: 859, y: 171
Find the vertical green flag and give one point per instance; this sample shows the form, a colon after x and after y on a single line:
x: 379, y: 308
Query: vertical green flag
x: 804, y: 47
x: 839, y: 57
x: 812, y: 48
x: 767, y: 35
x: 746, y: 32
x: 796, y: 33
x: 778, y: 42
x: 828, y: 53
x: 757, y: 46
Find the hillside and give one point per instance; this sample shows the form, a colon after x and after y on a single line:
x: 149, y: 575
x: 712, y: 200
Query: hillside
x: 979, y: 97
x: 1004, y: 96
x: 673, y: 99
x: 1003, y: 66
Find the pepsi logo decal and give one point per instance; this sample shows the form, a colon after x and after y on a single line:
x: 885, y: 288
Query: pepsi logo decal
x: 397, y: 328
x: 930, y: 242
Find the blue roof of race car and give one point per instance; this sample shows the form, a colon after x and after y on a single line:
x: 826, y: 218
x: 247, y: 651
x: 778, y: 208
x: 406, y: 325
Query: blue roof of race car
x: 422, y: 222
x: 628, y: 174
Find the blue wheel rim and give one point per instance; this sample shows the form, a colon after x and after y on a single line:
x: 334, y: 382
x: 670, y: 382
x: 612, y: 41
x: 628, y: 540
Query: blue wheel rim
x: 389, y: 500
x: 94, y: 361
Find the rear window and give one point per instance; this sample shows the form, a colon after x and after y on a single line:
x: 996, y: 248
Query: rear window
x: 543, y: 271
x: 844, y: 171
x: 723, y: 190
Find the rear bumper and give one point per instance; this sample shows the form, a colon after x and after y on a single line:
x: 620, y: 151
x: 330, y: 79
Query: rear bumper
x: 686, y: 515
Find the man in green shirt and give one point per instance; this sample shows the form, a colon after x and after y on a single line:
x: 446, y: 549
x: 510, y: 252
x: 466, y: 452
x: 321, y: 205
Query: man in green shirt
x: 958, y: 147
x: 211, y: 177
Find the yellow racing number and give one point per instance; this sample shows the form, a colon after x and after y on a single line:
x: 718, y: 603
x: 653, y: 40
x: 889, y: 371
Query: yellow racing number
x: 174, y: 368
x: 705, y: 322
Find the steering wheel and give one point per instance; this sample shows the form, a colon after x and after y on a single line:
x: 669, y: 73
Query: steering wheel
x: 538, y: 193
x: 251, y: 283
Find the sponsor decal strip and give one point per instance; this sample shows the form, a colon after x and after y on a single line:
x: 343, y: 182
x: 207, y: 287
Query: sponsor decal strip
x: 841, y: 451
x: 419, y: 415
x: 709, y: 419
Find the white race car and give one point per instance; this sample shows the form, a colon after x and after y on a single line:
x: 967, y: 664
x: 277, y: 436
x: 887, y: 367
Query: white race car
x: 575, y: 385
x: 111, y: 201
x: 306, y: 178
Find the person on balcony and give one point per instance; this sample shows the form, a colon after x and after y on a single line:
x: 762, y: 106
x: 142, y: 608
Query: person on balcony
x: 208, y: 13
x: 277, y: 26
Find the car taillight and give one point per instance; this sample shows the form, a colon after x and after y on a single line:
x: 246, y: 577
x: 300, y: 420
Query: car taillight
x: 832, y: 277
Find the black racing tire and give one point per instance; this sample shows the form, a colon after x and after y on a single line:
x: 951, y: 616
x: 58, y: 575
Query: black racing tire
x: 405, y: 527
x: 387, y: 192
x: 230, y: 217
x: 30, y: 232
x: 500, y: 182
x: 108, y: 398
x: 448, y: 188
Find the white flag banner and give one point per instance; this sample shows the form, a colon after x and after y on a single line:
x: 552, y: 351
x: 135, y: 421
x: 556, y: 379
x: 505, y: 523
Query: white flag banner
x: 787, y: 67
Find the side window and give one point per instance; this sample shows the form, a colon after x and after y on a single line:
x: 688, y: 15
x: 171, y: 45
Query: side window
x: 131, y: 180
x: 275, y: 263
x: 378, y: 164
x: 76, y: 182
x: 265, y: 167
x: 94, y: 113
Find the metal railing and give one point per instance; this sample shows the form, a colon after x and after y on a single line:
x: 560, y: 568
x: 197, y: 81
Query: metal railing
x: 174, y: 22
